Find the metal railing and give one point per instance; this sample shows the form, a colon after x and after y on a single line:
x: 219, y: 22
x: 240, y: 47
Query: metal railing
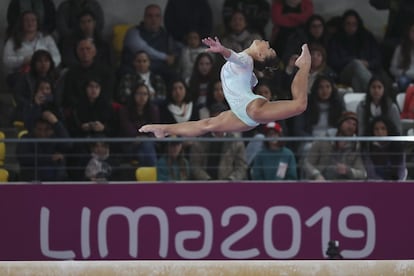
x: 27, y: 166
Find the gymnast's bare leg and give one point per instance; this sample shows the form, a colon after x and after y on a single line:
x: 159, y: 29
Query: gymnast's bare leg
x: 260, y: 110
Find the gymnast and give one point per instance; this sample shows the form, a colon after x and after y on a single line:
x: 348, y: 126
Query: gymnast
x: 247, y: 110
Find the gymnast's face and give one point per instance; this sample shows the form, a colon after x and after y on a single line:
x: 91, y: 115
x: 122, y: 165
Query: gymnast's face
x: 260, y: 50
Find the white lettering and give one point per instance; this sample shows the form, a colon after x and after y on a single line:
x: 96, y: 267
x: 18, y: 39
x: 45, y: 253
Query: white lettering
x: 44, y: 239
x: 323, y: 215
x: 357, y: 234
x: 238, y: 235
x: 268, y: 232
x: 182, y: 236
x: 133, y: 220
x: 85, y: 233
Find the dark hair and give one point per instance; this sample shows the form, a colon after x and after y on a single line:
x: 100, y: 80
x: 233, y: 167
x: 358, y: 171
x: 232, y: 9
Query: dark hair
x: 335, y: 102
x: 395, y: 147
x: 314, y: 17
x: 237, y: 11
x: 131, y: 105
x: 269, y: 66
x: 361, y: 32
x: 320, y: 48
x: 196, y: 78
x: 37, y: 55
x: 391, y: 128
x: 385, y: 101
x: 187, y: 97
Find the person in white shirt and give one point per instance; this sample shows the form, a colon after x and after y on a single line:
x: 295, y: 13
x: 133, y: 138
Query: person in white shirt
x: 24, y: 41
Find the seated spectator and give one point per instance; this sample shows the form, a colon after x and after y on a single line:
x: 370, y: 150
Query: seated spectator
x: 192, y: 48
x: 88, y: 68
x: 142, y: 74
x: 204, y: 73
x: 102, y: 166
x: 354, y: 53
x: 67, y: 15
x: 402, y: 63
x: 40, y: 161
x: 20, y: 47
x: 218, y: 160
x: 93, y: 115
x: 384, y: 160
x: 42, y: 67
x: 275, y: 161
x: 215, y: 95
x: 173, y: 165
x: 257, y: 134
x: 151, y: 37
x: 183, y: 16
x: 324, y: 109
x: 319, y: 66
x: 45, y: 9
x: 401, y: 13
x: 178, y: 106
x: 287, y: 17
x: 377, y: 102
x: 138, y: 111
x: 338, y: 160
x: 238, y: 36
x: 86, y: 28
x: 257, y: 13
x: 42, y: 101
x: 314, y: 32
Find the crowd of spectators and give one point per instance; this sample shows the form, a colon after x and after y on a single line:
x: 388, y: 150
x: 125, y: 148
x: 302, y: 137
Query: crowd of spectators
x: 67, y: 82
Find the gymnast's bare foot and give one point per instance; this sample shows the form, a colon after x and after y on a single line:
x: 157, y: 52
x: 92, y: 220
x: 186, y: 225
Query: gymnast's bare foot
x: 304, y: 60
x: 157, y: 130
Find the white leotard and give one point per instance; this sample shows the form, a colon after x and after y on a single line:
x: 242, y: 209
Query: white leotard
x: 237, y: 78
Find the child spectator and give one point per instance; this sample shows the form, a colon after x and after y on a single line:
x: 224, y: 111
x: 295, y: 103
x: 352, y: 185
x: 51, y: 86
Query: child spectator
x: 101, y: 166
x: 189, y: 53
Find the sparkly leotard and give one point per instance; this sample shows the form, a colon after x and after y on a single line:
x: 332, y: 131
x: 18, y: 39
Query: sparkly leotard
x: 237, y: 78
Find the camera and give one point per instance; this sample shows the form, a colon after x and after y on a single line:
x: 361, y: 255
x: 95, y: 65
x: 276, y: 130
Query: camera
x: 333, y: 250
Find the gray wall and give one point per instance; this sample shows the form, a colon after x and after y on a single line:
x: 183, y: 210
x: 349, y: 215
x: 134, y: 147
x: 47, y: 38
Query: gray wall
x: 131, y: 11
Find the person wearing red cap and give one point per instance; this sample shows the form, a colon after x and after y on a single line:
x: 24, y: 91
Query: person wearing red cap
x: 275, y: 161
x: 337, y: 160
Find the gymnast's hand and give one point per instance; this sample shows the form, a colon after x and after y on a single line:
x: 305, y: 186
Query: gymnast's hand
x: 215, y: 46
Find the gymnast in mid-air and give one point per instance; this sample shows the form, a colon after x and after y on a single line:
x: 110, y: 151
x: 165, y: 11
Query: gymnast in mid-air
x: 247, y: 110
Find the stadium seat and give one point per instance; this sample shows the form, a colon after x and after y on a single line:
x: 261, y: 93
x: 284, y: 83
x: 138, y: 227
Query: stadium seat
x: 4, y: 175
x: 118, y: 34
x: 146, y: 174
x: 400, y: 101
x: 2, y: 149
x: 352, y: 100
